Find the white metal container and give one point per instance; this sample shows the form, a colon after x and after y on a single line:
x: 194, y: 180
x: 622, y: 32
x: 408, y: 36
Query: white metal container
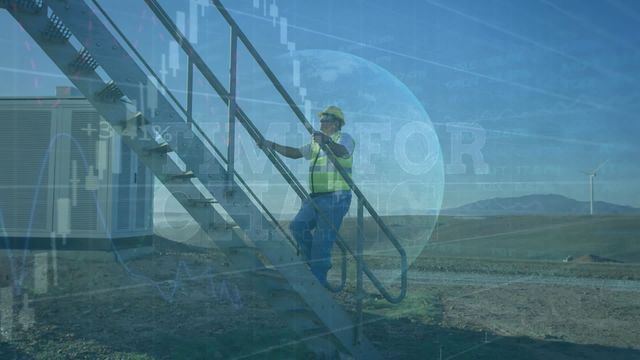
x: 65, y: 175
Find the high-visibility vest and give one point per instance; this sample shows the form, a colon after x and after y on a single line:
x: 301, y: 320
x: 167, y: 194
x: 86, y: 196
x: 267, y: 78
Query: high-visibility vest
x: 323, y: 176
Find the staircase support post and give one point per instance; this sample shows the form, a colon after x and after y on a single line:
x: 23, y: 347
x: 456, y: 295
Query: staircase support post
x: 359, y: 271
x: 233, y: 57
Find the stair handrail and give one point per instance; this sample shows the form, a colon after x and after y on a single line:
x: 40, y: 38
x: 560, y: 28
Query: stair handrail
x: 200, y: 64
x: 294, y: 107
x: 297, y: 186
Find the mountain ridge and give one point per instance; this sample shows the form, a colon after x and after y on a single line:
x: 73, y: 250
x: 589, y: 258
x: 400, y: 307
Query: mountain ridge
x: 538, y: 204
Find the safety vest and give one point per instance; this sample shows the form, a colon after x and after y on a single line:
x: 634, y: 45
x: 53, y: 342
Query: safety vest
x: 323, y: 176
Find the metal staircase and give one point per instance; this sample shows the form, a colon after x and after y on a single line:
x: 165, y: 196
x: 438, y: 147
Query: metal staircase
x: 93, y: 53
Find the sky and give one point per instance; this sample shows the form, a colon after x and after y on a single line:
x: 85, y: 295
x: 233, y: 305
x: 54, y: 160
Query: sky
x: 541, y: 91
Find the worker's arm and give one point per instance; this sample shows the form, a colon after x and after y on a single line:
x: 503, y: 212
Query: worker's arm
x: 288, y: 151
x: 338, y: 149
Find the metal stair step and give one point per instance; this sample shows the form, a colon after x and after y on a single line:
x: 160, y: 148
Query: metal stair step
x: 84, y: 62
x: 135, y: 121
x: 163, y: 148
x: 184, y: 176
x: 56, y: 30
x: 110, y: 93
x: 196, y: 202
x: 28, y: 6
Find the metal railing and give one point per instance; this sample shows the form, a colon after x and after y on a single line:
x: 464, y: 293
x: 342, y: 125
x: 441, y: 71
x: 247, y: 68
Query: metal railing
x: 235, y: 112
x: 363, y: 203
x: 187, y: 112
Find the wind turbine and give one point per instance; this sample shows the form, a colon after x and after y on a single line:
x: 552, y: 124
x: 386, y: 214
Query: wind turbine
x: 591, y: 175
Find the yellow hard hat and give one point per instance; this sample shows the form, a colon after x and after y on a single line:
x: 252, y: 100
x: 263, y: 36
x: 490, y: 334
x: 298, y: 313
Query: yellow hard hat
x: 335, y: 111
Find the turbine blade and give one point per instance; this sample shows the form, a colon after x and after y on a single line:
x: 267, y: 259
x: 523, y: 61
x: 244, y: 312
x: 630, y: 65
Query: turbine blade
x: 599, y: 166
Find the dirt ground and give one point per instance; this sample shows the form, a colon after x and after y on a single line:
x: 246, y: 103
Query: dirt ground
x: 172, y: 305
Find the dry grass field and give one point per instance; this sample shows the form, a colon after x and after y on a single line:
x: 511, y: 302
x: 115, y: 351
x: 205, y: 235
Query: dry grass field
x: 470, y: 302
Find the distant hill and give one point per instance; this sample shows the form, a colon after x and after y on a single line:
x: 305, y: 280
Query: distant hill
x: 549, y: 204
x: 602, y: 238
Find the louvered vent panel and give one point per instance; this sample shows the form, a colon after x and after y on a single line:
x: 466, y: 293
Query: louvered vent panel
x: 24, y: 138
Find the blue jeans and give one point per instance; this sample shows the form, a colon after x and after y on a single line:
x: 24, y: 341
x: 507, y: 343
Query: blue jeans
x: 316, y: 246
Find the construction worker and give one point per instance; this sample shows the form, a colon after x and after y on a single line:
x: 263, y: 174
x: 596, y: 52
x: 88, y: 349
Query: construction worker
x: 316, y: 233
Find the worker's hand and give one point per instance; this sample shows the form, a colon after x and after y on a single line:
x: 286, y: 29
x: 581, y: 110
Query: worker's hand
x: 321, y: 138
x: 264, y: 143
